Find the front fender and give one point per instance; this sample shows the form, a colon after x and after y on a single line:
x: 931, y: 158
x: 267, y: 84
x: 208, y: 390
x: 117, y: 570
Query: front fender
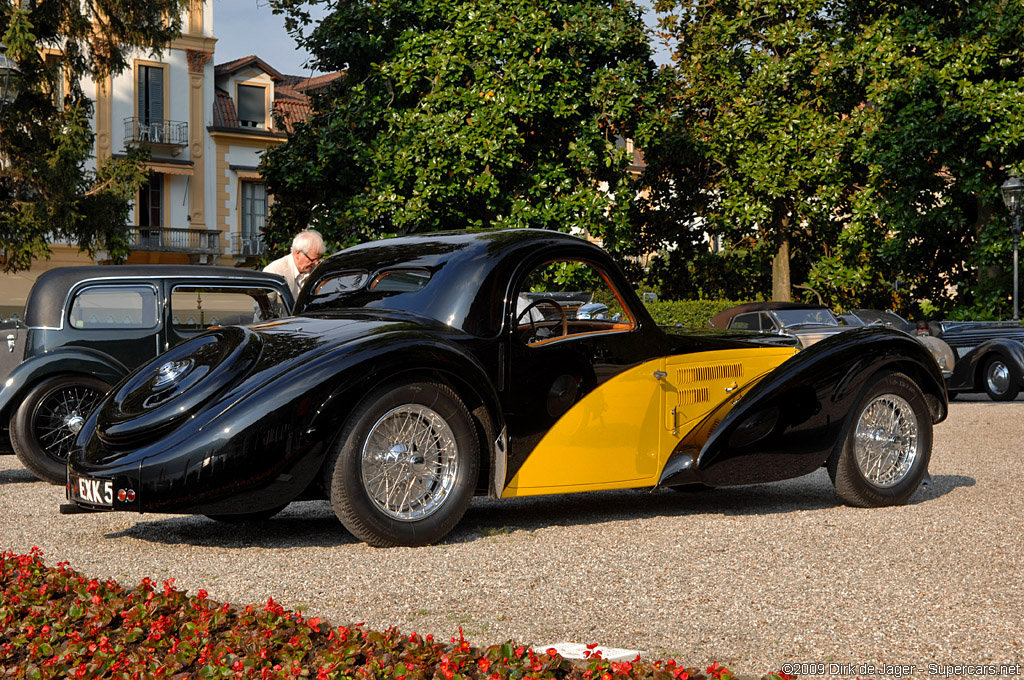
x: 967, y: 371
x: 61, y: 361
x: 790, y: 422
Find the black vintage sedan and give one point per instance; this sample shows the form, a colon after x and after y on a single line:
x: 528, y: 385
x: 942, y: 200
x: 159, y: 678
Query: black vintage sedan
x: 423, y: 370
x: 85, y: 328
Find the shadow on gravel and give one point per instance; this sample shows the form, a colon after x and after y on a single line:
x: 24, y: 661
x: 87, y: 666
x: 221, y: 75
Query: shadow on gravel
x: 313, y: 523
x: 302, y: 524
x: 19, y: 476
x: 813, y: 492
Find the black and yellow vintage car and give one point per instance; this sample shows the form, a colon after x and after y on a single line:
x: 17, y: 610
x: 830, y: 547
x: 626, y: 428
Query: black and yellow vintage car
x: 422, y: 370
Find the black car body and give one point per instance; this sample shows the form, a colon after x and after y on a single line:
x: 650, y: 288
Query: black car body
x: 989, y: 357
x: 86, y: 328
x: 419, y: 372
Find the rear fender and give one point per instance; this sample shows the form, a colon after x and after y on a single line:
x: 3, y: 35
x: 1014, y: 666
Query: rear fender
x: 791, y: 421
x: 418, y: 357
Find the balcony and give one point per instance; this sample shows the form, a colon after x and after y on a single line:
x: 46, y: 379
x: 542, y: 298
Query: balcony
x: 251, y: 246
x: 174, y: 240
x: 167, y: 133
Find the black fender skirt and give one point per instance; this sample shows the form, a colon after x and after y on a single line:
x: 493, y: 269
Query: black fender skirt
x: 788, y: 423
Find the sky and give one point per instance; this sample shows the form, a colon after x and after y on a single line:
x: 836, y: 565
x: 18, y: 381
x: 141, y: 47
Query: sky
x: 248, y: 27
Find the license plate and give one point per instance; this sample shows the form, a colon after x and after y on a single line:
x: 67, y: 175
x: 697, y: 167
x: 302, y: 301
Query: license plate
x: 92, y: 491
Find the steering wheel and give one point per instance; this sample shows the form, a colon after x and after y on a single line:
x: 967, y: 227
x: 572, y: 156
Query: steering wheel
x: 538, y: 303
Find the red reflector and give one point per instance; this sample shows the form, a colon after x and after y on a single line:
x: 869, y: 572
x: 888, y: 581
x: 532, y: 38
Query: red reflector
x: 131, y: 495
x: 122, y: 495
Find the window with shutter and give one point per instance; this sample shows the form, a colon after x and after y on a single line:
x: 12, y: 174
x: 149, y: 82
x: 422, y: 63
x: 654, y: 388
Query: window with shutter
x: 252, y: 106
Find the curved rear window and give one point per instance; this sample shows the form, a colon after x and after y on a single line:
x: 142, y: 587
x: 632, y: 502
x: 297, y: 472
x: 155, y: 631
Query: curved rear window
x: 401, y: 281
x: 344, y: 282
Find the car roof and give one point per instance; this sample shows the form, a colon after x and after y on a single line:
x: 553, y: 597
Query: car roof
x: 721, y: 320
x: 468, y: 269
x: 46, y: 300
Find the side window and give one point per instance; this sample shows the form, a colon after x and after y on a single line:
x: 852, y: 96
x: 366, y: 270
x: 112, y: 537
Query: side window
x: 564, y: 298
x: 107, y: 307
x: 746, y: 322
x: 196, y: 308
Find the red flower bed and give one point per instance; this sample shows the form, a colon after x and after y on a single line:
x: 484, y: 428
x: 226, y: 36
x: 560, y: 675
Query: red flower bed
x: 56, y: 623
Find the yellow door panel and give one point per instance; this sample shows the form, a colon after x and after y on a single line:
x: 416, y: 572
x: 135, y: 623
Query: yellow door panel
x: 621, y: 434
x: 608, y: 440
x: 695, y: 384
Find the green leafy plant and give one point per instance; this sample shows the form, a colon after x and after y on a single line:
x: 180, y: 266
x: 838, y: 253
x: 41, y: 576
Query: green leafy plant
x: 57, y: 623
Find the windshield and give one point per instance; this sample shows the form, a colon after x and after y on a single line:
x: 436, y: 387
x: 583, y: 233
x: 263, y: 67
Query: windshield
x: 795, y: 317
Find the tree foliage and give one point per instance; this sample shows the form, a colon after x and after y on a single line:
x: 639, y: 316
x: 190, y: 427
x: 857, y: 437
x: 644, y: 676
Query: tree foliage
x: 872, y: 135
x: 456, y: 114
x: 755, y: 107
x: 47, y: 191
x: 943, y: 126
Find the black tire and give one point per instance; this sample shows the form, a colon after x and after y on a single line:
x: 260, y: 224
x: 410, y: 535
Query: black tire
x: 888, y: 444
x: 45, y: 424
x: 243, y: 518
x: 1000, y: 380
x: 424, y: 482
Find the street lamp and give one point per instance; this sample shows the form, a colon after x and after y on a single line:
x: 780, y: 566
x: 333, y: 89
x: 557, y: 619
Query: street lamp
x: 9, y: 75
x: 1013, y: 192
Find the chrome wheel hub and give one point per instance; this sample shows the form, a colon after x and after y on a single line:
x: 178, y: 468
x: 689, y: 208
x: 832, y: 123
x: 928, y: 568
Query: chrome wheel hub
x: 998, y: 378
x: 886, y: 440
x: 74, y: 422
x: 409, y: 462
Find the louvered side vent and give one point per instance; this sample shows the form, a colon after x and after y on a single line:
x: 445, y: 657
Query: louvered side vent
x: 714, y: 426
x: 700, y: 374
x: 693, y: 395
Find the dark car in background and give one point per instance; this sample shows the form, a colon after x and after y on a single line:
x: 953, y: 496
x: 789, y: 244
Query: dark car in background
x: 989, y: 357
x: 85, y: 328
x: 982, y: 356
x: 809, y: 323
x: 417, y: 374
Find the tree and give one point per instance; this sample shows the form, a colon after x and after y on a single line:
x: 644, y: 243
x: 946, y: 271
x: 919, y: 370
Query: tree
x: 761, y: 113
x: 868, y: 136
x: 943, y: 125
x: 464, y: 113
x: 47, y: 192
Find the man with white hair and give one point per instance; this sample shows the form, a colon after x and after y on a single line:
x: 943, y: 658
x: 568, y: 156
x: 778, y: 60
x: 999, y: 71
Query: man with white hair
x: 307, y: 249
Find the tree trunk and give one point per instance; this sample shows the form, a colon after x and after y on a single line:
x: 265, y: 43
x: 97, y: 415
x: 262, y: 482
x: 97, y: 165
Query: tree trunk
x: 782, y: 289
x: 781, y: 285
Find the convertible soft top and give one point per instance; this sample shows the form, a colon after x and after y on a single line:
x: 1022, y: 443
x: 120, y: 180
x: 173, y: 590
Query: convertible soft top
x: 721, y: 320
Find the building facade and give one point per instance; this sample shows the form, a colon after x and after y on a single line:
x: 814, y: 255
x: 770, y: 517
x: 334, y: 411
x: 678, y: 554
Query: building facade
x: 206, y: 126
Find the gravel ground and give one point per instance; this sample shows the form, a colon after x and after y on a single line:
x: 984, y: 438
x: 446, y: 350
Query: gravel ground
x: 755, y: 577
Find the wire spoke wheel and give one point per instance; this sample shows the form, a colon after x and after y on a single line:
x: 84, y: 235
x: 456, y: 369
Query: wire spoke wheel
x: 887, y: 446
x: 886, y: 441
x: 410, y: 462
x: 47, y: 422
x: 60, y: 416
x: 406, y: 465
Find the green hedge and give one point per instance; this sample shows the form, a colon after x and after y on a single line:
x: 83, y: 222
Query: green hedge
x: 694, y: 313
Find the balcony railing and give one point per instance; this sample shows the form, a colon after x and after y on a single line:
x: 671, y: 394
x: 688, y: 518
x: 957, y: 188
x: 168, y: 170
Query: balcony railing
x: 251, y: 245
x: 173, y: 240
x: 169, y: 132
